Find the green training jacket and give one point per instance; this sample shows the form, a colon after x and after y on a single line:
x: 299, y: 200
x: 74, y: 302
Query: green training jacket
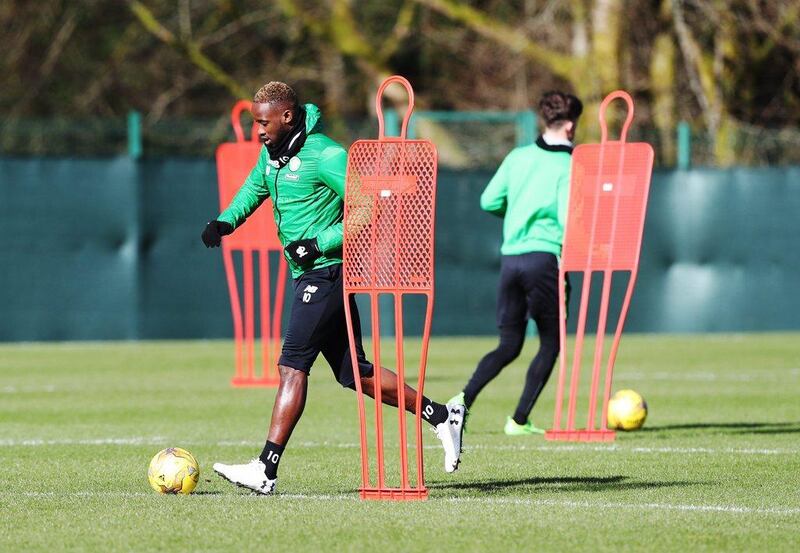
x: 530, y: 192
x: 307, y: 194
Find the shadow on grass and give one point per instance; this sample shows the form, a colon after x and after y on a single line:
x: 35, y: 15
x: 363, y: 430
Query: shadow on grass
x: 562, y: 483
x: 732, y: 427
x: 203, y: 492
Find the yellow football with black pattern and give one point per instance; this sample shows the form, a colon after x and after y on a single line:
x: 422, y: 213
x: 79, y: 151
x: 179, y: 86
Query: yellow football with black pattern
x: 173, y: 470
x: 627, y: 410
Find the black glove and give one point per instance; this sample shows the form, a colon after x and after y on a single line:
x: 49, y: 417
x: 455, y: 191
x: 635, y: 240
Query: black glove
x: 304, y: 252
x: 214, y: 231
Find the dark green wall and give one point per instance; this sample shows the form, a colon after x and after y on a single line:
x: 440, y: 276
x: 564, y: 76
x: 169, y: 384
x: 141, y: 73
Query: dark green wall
x: 721, y: 252
x: 110, y: 248
x: 102, y: 249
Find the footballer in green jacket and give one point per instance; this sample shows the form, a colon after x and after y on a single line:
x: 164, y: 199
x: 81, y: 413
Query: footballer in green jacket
x: 303, y: 171
x: 530, y: 192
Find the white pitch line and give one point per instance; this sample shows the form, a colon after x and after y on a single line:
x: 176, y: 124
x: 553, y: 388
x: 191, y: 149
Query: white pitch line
x: 557, y: 448
x: 76, y: 494
x: 637, y: 506
x: 573, y: 504
x: 157, y: 440
x: 623, y: 449
x: 164, y: 441
x: 707, y: 376
x: 27, y: 390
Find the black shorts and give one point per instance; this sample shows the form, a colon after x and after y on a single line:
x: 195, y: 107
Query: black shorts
x: 317, y: 324
x: 528, y: 288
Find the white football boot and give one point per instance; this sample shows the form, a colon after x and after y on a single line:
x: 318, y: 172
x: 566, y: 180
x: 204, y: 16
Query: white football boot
x: 249, y: 475
x: 450, y: 432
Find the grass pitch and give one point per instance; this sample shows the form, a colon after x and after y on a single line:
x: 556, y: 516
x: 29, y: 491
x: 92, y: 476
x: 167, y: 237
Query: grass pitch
x: 717, y: 466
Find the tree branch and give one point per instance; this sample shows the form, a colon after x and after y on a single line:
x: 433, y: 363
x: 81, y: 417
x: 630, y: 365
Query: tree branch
x: 691, y: 54
x: 341, y: 31
x: 510, y: 37
x: 188, y: 47
x: 402, y: 27
x: 160, y: 105
x: 51, y: 59
x: 234, y: 27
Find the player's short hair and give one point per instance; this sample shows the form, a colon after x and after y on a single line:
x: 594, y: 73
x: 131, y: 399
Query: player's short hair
x: 276, y: 92
x: 557, y: 107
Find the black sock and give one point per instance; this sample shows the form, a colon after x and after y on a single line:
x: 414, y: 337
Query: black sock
x: 271, y: 456
x: 434, y: 413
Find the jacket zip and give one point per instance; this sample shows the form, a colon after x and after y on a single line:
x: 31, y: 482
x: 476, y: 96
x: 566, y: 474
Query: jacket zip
x: 275, y: 203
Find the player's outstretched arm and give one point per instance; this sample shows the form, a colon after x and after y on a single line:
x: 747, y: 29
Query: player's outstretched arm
x: 251, y: 195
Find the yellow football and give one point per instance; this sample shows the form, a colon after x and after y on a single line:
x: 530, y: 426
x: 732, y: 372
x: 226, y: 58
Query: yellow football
x: 173, y: 470
x: 627, y: 410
